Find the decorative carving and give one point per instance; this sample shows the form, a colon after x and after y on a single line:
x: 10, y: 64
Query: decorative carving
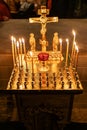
x: 32, y: 41
x: 44, y: 44
x: 55, y: 41
x: 50, y: 109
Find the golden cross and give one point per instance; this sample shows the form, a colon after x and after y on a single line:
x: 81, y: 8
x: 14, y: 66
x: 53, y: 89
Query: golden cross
x: 43, y: 19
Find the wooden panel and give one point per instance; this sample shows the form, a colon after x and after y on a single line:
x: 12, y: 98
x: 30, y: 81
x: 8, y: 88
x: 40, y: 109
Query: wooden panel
x: 36, y: 111
x: 7, y: 107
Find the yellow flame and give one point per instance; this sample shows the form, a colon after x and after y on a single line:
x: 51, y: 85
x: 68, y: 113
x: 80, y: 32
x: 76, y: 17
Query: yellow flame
x: 60, y: 40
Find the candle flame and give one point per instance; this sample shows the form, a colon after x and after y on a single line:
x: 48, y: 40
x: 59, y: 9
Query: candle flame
x: 23, y: 40
x: 60, y: 40
x: 73, y: 32
x: 13, y: 38
x: 17, y: 44
x: 20, y: 40
x: 67, y: 40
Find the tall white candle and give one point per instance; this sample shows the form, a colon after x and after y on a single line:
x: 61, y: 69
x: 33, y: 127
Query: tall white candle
x: 20, y: 44
x: 67, y: 52
x: 76, y: 61
x: 73, y: 45
x: 74, y: 54
x: 74, y: 39
x: 13, y: 47
x: 15, y: 51
x: 60, y: 41
x: 24, y: 49
x: 74, y: 35
x: 18, y: 53
x: 23, y: 41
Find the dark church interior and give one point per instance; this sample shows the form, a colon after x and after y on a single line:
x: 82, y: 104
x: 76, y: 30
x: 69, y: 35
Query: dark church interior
x: 55, y: 109
x: 61, y: 8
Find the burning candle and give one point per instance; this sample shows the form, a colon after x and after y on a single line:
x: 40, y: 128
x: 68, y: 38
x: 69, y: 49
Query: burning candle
x: 74, y: 54
x: 20, y: 43
x: 23, y: 41
x: 74, y: 39
x: 77, y: 52
x: 31, y: 54
x: 18, y: 52
x: 67, y: 51
x: 15, y: 51
x: 73, y: 45
x: 13, y: 47
x: 17, y: 47
x: 60, y: 40
x: 74, y: 35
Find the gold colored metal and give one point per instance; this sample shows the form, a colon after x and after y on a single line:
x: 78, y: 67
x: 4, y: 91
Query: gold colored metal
x: 43, y: 70
x: 43, y: 20
x: 53, y: 79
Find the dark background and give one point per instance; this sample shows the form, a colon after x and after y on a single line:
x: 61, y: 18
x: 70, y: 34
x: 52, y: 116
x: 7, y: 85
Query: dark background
x: 69, y: 8
x: 60, y: 8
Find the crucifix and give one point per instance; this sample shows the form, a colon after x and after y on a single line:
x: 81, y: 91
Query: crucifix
x: 43, y: 19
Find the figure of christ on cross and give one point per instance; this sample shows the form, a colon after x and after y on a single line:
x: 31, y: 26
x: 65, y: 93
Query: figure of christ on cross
x: 43, y: 19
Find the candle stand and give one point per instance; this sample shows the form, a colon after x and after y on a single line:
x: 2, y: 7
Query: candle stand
x: 46, y: 82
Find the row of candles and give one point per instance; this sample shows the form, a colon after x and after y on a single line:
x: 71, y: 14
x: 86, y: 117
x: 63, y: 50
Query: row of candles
x: 74, y: 53
x: 19, y: 53
x: 18, y: 49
